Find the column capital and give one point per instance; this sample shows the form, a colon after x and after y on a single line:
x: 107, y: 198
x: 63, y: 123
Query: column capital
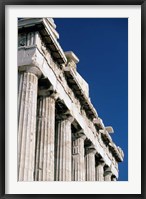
x: 30, y: 69
x: 107, y: 168
x: 54, y: 95
x: 48, y: 93
x: 90, y: 150
x: 64, y: 114
x: 100, y: 162
x: 46, y: 88
x: 70, y: 118
x: 83, y: 137
x: 108, y: 171
x: 80, y: 134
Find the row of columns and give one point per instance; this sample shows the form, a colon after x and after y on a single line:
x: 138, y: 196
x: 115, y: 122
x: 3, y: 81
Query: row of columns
x: 46, y: 151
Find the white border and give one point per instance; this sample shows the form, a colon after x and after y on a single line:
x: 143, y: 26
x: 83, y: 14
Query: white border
x: 133, y: 186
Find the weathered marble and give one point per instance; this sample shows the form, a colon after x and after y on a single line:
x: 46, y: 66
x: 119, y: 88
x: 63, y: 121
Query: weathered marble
x: 107, y: 174
x: 99, y: 171
x: 27, y: 102
x: 63, y: 150
x: 90, y: 164
x: 78, y: 160
x: 44, y: 165
x: 54, y: 154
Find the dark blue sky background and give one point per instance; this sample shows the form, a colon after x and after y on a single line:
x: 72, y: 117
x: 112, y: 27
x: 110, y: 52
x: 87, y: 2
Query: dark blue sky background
x: 102, y: 47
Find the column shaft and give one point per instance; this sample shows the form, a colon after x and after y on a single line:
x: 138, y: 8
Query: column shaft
x: 63, y: 150
x: 107, y: 176
x: 90, y: 166
x: 99, y: 170
x: 44, y: 165
x: 27, y: 101
x: 78, y: 163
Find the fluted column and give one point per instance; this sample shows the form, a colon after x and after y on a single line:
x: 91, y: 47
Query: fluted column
x: 63, y: 150
x: 44, y: 165
x: 78, y: 162
x: 90, y: 165
x: 27, y: 102
x: 107, y: 174
x: 99, y: 171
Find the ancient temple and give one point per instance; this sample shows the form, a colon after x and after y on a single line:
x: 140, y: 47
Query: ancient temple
x: 60, y: 135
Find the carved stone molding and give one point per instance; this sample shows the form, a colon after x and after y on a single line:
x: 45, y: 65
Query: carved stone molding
x: 30, y: 69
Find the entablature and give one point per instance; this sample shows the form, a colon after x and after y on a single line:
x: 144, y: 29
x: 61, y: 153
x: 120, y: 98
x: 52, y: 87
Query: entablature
x: 29, y: 26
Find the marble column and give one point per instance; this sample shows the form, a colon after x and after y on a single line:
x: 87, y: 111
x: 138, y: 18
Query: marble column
x: 44, y: 164
x: 107, y: 175
x: 27, y: 103
x: 63, y: 149
x: 99, y: 171
x: 78, y: 162
x: 90, y: 164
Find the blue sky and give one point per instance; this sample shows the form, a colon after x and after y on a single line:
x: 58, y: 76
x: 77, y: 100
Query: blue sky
x: 101, y: 44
